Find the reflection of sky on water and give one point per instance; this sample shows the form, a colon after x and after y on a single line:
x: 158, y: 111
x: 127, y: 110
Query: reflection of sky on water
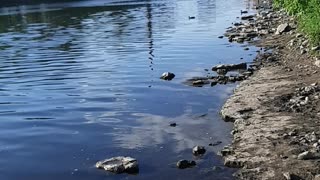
x: 153, y: 130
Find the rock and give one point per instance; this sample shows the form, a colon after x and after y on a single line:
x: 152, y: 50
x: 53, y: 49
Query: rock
x: 315, y: 48
x: 220, y: 37
x: 192, y: 17
x: 290, y: 176
x: 243, y: 12
x: 200, y: 82
x: 317, y: 177
x: 198, y: 150
x: 167, y: 76
x: 294, y: 132
x: 222, y: 71
x: 173, y: 124
x: 213, y: 83
x: 230, y: 67
x: 317, y: 63
x: 305, y: 43
x: 119, y: 164
x: 308, y: 155
x: 226, y: 151
x: 215, y: 143
x: 246, y: 49
x: 217, y: 168
x: 232, y: 162
x: 183, y: 164
x: 283, y: 28
x: 247, y: 17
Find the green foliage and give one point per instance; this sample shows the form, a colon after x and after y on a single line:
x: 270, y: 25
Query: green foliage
x: 308, y: 14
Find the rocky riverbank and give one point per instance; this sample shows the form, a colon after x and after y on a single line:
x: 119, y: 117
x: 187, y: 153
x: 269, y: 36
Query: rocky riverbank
x: 275, y: 111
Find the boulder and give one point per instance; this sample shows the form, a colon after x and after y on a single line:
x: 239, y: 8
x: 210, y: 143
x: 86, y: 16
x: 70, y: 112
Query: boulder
x: 119, y: 164
x: 283, y: 28
x: 183, y: 164
x: 167, y: 76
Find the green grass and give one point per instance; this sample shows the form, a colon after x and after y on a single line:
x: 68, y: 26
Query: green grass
x: 308, y: 14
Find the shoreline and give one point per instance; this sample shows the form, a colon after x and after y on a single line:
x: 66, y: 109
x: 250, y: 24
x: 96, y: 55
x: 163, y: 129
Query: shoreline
x: 275, y: 111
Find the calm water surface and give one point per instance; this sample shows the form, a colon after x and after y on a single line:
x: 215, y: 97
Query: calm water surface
x: 79, y: 82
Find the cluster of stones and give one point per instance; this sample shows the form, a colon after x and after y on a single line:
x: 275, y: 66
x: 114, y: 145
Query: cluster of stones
x: 253, y: 26
x: 302, y: 97
x: 222, y: 77
x: 300, y: 42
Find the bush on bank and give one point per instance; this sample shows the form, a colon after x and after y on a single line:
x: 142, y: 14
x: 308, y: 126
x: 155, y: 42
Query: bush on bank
x: 308, y: 14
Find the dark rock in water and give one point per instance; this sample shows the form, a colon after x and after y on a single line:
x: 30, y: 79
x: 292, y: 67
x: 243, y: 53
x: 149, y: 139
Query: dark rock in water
x: 192, y: 17
x: 198, y: 150
x: 220, y: 37
x: 119, y: 164
x: 167, y: 76
x: 215, y: 143
x: 213, y: 83
x: 183, y: 164
x: 173, y: 124
x: 222, y: 71
x: 247, y: 17
x: 230, y: 67
x: 217, y: 168
x: 243, y: 12
x: 246, y: 49
x: 200, y: 82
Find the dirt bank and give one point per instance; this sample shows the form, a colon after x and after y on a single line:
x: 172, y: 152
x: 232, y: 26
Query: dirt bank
x: 276, y: 111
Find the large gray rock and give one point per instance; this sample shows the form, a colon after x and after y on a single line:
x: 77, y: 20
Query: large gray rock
x: 119, y: 164
x: 167, y: 76
x: 283, y: 28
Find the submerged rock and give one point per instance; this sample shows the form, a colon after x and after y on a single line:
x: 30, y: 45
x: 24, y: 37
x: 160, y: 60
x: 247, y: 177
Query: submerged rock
x: 167, y: 76
x: 173, y: 124
x: 119, y: 164
x: 198, y: 150
x: 215, y: 143
x: 183, y: 164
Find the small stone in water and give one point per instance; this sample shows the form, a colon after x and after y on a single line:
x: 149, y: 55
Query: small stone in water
x: 183, y: 164
x: 167, y: 76
x: 173, y: 124
x: 198, y: 150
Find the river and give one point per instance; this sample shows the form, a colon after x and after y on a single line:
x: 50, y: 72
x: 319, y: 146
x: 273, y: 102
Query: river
x: 79, y: 82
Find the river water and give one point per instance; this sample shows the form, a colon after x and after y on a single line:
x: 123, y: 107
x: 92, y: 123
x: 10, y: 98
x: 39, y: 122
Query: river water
x: 79, y: 82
